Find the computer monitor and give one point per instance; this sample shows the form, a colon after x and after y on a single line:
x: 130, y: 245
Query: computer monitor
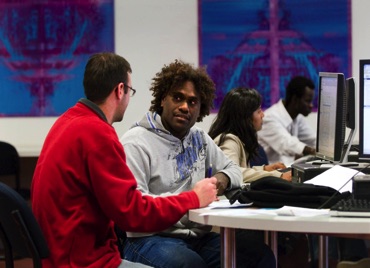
x: 331, y: 116
x: 364, y: 105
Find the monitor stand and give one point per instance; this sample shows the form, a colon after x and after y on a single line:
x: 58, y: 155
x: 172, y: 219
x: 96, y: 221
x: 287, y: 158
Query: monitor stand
x: 346, y: 148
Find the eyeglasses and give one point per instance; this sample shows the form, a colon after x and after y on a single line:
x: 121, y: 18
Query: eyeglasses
x: 132, y: 92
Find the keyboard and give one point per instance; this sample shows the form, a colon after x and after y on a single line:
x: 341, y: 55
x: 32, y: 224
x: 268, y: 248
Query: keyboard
x: 351, y: 208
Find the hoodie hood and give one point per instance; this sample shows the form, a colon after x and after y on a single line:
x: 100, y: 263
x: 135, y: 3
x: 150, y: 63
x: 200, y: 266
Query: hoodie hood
x: 153, y: 122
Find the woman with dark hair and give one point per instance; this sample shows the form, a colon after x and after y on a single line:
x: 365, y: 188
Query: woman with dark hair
x: 235, y: 128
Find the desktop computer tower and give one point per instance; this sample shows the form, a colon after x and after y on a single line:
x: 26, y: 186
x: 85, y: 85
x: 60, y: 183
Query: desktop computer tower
x: 361, y: 187
x: 302, y: 172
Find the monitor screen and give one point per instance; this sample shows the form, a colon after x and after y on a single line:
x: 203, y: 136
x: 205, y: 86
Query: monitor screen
x: 331, y: 116
x: 364, y: 105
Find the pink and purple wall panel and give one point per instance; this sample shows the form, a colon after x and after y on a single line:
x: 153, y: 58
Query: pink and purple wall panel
x: 263, y: 43
x: 44, y: 46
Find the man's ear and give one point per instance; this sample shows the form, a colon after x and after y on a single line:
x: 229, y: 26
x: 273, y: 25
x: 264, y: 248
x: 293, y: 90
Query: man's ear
x: 295, y: 100
x: 120, y: 90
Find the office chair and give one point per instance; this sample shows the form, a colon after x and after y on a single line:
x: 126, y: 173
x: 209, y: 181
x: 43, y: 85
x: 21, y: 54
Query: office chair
x: 9, y: 163
x: 261, y: 159
x: 20, y: 233
x: 364, y: 263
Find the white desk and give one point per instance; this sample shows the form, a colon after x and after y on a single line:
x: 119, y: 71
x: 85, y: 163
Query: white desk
x: 323, y: 225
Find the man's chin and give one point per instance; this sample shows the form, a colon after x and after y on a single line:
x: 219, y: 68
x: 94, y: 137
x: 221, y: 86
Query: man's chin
x: 118, y: 119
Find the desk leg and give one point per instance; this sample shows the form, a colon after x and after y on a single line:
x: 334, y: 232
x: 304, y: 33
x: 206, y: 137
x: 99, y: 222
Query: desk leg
x: 267, y: 237
x: 323, y: 251
x: 228, y: 249
x: 274, y: 244
x: 271, y: 239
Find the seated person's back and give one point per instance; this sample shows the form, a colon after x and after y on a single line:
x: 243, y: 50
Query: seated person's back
x: 285, y: 135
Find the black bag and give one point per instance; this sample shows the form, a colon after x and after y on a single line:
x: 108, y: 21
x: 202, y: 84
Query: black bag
x: 273, y: 192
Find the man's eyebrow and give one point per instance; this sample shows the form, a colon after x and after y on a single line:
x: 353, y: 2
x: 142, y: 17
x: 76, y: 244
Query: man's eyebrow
x: 176, y: 92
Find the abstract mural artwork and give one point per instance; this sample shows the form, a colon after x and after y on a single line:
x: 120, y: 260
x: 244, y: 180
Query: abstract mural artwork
x: 44, y: 46
x: 264, y: 43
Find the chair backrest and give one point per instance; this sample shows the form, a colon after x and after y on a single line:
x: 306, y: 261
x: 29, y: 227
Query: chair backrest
x: 363, y: 263
x: 261, y: 159
x: 19, y: 231
x: 9, y: 162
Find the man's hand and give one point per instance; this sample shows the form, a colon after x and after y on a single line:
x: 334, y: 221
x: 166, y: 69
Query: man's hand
x: 223, y: 182
x: 206, y: 191
x: 309, y: 150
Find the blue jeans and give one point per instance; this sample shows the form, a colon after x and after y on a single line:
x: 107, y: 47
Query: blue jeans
x: 167, y: 252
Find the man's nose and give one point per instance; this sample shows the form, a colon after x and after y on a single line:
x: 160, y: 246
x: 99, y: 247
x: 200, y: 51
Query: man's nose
x: 184, y: 106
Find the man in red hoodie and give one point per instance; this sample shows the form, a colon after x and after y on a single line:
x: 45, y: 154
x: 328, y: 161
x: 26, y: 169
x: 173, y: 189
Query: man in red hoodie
x: 82, y: 186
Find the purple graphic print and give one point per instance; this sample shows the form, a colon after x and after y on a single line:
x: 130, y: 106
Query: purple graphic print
x: 44, y: 46
x: 264, y: 43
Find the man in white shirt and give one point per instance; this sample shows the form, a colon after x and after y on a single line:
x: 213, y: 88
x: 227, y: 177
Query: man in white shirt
x: 285, y: 135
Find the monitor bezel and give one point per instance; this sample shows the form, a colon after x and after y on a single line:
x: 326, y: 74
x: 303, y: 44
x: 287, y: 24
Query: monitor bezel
x: 340, y: 118
x: 362, y: 156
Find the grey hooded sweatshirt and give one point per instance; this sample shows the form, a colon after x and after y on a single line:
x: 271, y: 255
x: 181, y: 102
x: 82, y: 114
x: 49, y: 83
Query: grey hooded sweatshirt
x: 164, y: 165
